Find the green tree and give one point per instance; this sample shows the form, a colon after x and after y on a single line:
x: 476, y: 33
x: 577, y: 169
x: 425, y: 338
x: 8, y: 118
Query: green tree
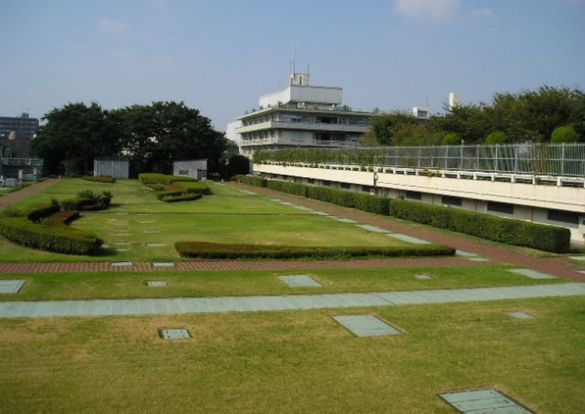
x: 451, y: 139
x: 73, y: 136
x: 415, y: 135
x: 564, y: 134
x: 238, y: 164
x: 384, y: 126
x: 496, y: 137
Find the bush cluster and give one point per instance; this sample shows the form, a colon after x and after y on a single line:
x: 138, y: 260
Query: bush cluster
x: 101, y: 179
x: 238, y: 251
x: 52, y: 235
x: 88, y: 200
x: 486, y: 226
x: 171, y: 188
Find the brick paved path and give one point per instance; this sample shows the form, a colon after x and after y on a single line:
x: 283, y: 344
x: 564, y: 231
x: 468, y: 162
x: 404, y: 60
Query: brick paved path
x: 13, y: 198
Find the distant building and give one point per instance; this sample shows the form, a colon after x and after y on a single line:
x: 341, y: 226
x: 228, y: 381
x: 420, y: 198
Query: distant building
x: 302, y: 116
x: 420, y: 112
x: 453, y: 100
x: 16, y: 134
x: 115, y: 167
x: 193, y: 169
x: 231, y: 134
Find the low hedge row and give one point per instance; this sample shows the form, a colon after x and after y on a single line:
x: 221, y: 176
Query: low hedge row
x: 59, y: 239
x: 251, y: 180
x: 101, y: 179
x: 62, y: 217
x: 38, y: 213
x: 510, y: 231
x: 486, y: 226
x: 156, y: 178
x: 181, y: 197
x: 208, y: 250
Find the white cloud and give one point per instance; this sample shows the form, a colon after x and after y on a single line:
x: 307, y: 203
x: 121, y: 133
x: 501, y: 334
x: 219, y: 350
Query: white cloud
x: 483, y: 13
x: 112, y: 26
x: 427, y: 9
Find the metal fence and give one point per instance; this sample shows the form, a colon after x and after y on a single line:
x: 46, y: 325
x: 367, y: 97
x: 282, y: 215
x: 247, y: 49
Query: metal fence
x: 538, y: 159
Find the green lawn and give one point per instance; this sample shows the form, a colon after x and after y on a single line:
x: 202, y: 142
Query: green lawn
x: 227, y: 216
x: 300, y: 362
x: 117, y: 285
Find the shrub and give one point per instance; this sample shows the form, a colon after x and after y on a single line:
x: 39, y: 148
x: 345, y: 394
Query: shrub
x: 451, y: 139
x: 59, y: 239
x: 233, y: 251
x: 36, y: 214
x: 496, y: 138
x: 88, y: 200
x: 101, y: 179
x: 287, y: 187
x: 155, y: 178
x: 62, y: 217
x: 251, y: 180
x: 564, y: 134
x: 181, y: 197
x: 516, y: 232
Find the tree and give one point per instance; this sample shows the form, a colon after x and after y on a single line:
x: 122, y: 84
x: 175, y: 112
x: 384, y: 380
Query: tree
x: 415, y: 135
x: 238, y: 164
x: 564, y: 134
x: 451, y: 139
x: 384, y: 126
x: 73, y: 136
x: 495, y: 138
x: 163, y: 132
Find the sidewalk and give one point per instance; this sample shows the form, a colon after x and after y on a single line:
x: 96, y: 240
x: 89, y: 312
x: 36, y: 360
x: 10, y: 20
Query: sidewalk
x: 17, y: 196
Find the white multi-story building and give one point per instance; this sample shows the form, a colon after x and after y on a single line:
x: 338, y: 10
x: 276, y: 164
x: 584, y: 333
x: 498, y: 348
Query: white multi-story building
x: 302, y: 116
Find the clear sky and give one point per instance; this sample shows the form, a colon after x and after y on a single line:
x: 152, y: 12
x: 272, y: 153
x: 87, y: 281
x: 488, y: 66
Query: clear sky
x: 220, y: 55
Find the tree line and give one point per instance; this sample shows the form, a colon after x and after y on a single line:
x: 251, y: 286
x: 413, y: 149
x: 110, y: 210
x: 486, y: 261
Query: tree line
x: 545, y: 115
x: 150, y: 136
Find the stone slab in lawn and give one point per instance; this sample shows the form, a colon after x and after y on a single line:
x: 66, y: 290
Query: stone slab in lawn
x: 521, y: 315
x: 156, y: 283
x: 578, y: 258
x: 300, y: 281
x: 407, y: 239
x: 146, y: 221
x: 532, y: 274
x: 248, y: 192
x: 423, y: 277
x: 151, y: 232
x: 121, y: 264
x: 11, y: 286
x: 346, y: 220
x: 463, y: 253
x: 483, y: 401
x: 174, y: 334
x: 374, y: 229
x: 478, y: 259
x: 154, y: 245
x: 366, y: 325
x: 321, y: 213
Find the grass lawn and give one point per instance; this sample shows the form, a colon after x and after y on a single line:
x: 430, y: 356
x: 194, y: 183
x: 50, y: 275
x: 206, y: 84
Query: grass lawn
x: 112, y: 285
x: 228, y: 216
x: 299, y: 362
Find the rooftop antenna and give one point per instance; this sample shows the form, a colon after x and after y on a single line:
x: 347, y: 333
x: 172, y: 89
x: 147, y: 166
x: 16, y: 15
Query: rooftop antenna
x: 427, y: 99
x: 295, y: 61
x: 308, y: 69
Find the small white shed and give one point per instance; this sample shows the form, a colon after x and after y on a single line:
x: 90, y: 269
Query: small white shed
x: 113, y: 167
x: 192, y: 168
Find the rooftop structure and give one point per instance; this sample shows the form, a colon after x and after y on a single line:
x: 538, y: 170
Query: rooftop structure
x: 303, y: 116
x: 16, y: 133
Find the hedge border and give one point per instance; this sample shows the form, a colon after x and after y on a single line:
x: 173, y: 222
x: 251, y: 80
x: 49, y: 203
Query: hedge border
x: 504, y: 230
x: 207, y: 250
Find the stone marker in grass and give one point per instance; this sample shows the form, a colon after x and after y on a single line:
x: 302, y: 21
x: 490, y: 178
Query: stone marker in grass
x: 374, y: 229
x: 163, y: 264
x: 521, y: 315
x: 174, y: 334
x: 407, y: 239
x: 483, y: 401
x: 366, y: 325
x: 532, y: 274
x: 299, y: 281
x: 423, y: 277
x: 156, y: 283
x: 11, y: 286
x: 154, y: 245
x: 121, y: 264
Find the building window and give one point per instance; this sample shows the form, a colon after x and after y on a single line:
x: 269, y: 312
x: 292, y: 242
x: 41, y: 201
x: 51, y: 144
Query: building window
x: 563, y: 216
x: 452, y: 201
x: 366, y: 188
x: 310, y: 181
x: 345, y: 186
x: 413, y: 195
x: 500, y: 207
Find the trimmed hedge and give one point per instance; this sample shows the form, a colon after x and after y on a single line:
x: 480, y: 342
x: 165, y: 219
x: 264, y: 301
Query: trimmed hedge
x: 59, y: 239
x: 181, y: 197
x: 38, y: 213
x: 487, y: 226
x: 100, y: 179
x: 251, y: 180
x: 62, y: 217
x: 155, y: 178
x: 517, y: 232
x: 234, y: 251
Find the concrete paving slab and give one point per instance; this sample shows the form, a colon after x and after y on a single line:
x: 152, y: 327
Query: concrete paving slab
x: 521, y: 315
x: 163, y: 264
x: 279, y: 303
x: 121, y: 264
x: 10, y: 287
x: 483, y: 401
x: 174, y: 334
x: 346, y: 220
x: 146, y: 221
x: 423, y: 277
x: 248, y: 192
x: 532, y: 274
x: 299, y: 281
x: 121, y: 244
x: 407, y: 239
x: 321, y: 213
x: 142, y: 214
x: 464, y: 253
x: 156, y: 283
x: 366, y: 325
x: 478, y: 259
x: 578, y: 258
x: 374, y: 229
x: 155, y: 245
x: 303, y: 208
x: 123, y: 250
x: 151, y: 232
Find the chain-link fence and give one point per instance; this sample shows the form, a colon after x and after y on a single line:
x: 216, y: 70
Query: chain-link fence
x: 538, y: 159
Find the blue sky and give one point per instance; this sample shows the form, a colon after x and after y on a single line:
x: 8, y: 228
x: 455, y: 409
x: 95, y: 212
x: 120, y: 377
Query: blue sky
x: 221, y: 55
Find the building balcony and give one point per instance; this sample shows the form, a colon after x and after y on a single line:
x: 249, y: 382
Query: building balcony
x: 304, y: 126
